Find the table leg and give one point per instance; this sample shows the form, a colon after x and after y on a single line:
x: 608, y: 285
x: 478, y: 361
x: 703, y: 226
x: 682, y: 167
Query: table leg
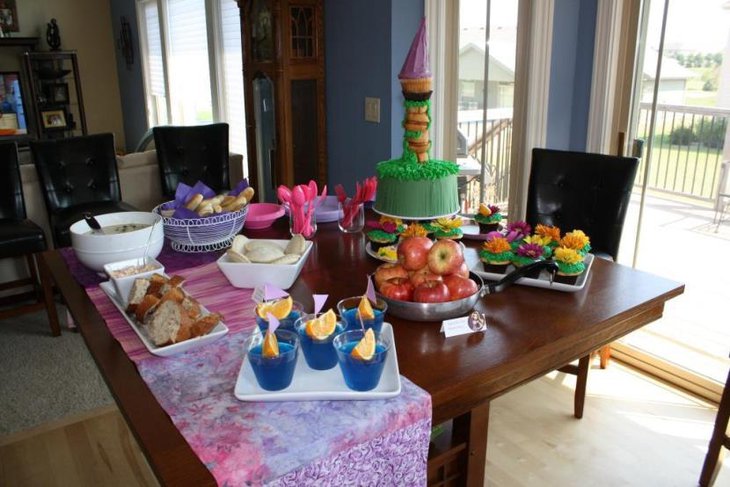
x: 47, y: 283
x: 473, y: 426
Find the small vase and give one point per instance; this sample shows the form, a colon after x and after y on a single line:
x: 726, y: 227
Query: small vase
x: 351, y: 219
x: 303, y: 224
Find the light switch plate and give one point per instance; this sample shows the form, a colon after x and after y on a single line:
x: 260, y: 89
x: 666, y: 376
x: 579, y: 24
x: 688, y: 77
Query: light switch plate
x: 372, y: 110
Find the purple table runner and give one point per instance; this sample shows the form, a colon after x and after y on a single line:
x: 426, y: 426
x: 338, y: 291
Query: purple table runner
x: 383, y: 442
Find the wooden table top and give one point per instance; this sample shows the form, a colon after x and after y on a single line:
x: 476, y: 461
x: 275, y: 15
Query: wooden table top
x: 530, y: 332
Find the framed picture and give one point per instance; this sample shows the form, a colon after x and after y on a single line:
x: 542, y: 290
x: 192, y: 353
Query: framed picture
x: 12, y: 112
x: 57, y: 93
x: 54, y: 119
x: 9, y: 15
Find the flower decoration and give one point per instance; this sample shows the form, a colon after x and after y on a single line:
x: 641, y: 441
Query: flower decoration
x: 540, y: 240
x: 389, y: 219
x: 447, y: 224
x: 497, y: 245
x: 576, y: 240
x: 567, y: 255
x: 548, y: 231
x: 520, y: 228
x: 488, y: 210
x: 414, y: 230
x: 387, y: 227
x: 389, y: 253
x: 531, y: 250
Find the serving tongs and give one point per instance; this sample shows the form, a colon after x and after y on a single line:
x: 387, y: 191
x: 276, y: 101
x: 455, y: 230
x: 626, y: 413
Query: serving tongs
x: 519, y: 273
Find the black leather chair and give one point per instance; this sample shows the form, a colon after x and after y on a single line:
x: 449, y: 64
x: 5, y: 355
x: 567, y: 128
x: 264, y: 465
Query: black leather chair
x: 19, y: 237
x: 191, y: 154
x: 77, y: 174
x: 591, y: 192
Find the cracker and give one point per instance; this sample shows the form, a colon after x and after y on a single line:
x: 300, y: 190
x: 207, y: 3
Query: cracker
x: 239, y: 243
x: 235, y: 256
x: 194, y: 201
x: 296, y: 245
x: 288, y: 259
x: 264, y: 255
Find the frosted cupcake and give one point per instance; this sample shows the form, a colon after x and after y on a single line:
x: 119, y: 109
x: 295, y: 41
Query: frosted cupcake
x: 496, y: 254
x: 488, y: 218
x: 448, y: 228
x: 576, y: 240
x: 570, y: 265
x: 528, y: 253
x: 384, y: 232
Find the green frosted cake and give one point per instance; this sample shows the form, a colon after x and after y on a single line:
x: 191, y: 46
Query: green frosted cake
x: 416, y: 186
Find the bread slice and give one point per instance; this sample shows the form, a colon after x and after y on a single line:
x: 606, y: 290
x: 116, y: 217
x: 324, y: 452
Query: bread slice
x: 204, y: 325
x: 192, y: 307
x: 147, y: 303
x: 169, y: 323
x: 156, y: 284
x: 137, y: 293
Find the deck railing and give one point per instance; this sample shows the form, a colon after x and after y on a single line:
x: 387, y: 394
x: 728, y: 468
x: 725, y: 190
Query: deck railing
x: 686, y: 149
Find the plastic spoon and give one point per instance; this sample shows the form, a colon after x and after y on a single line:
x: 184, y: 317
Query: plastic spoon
x: 298, y: 199
x: 93, y: 223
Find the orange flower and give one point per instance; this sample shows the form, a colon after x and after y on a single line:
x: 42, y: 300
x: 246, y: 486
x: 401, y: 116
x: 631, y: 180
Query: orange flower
x: 414, y: 230
x: 497, y: 245
x: 576, y: 240
x: 548, y: 231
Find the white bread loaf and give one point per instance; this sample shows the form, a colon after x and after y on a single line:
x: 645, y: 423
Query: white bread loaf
x: 169, y: 323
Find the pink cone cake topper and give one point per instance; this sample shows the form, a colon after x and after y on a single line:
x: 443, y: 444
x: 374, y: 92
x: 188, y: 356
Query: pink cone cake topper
x: 273, y: 322
x: 273, y: 292
x: 319, y: 300
x: 370, y: 293
x: 417, y: 63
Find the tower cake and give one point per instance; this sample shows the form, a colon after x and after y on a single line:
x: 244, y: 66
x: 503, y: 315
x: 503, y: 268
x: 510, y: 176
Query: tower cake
x: 416, y: 186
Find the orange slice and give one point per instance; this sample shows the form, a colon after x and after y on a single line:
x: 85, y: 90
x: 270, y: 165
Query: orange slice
x: 365, y: 309
x: 270, y: 348
x: 279, y: 308
x: 322, y: 327
x: 365, y: 348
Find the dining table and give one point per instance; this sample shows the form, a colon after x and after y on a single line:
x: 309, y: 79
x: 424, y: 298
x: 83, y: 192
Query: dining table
x: 530, y: 332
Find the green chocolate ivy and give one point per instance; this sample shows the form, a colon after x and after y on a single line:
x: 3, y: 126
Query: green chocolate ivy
x: 412, y: 170
x: 571, y: 269
x: 381, y: 236
x: 500, y: 257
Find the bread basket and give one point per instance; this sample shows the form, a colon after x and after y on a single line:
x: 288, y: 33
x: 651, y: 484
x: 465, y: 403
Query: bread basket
x: 204, y: 234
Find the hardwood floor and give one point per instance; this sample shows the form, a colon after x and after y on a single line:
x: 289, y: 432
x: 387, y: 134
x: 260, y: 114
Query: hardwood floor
x: 635, y: 432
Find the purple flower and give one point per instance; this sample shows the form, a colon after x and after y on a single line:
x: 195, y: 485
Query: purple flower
x: 522, y: 228
x: 493, y: 235
x: 389, y: 227
x: 533, y: 251
x: 494, y: 209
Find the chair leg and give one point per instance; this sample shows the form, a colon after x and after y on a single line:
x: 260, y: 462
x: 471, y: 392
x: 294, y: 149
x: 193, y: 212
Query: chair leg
x: 605, y: 353
x: 580, y: 386
x: 32, y: 269
x: 47, y: 285
x: 718, y: 440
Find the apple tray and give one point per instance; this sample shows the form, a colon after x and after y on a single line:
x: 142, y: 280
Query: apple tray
x: 413, y: 311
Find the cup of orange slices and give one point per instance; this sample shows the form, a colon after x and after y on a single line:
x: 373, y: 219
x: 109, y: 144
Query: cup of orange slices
x: 361, y: 355
x: 316, y: 333
x: 359, y: 312
x: 286, y: 310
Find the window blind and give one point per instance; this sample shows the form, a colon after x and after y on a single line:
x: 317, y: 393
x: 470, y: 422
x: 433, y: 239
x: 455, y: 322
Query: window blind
x: 230, y: 66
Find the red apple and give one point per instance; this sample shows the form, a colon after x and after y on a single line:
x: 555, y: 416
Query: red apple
x: 431, y: 292
x: 462, y: 271
x: 422, y: 275
x: 445, y: 257
x: 399, y: 288
x: 413, y: 252
x: 388, y: 271
x: 460, y: 287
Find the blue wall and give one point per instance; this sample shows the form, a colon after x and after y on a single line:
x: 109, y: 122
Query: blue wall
x: 365, y: 45
x: 131, y: 82
x: 571, y: 72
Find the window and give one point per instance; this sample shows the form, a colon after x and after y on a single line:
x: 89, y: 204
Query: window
x: 191, y: 52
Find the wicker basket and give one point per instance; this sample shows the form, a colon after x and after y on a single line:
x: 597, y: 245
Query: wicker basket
x: 203, y: 234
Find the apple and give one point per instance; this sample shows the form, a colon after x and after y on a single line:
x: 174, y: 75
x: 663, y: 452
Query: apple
x: 413, y: 252
x: 422, y: 275
x: 445, y: 257
x: 431, y: 292
x: 388, y: 271
x: 462, y: 271
x: 459, y: 287
x: 399, y: 288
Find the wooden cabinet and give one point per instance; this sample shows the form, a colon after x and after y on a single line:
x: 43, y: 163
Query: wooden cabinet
x: 283, y: 71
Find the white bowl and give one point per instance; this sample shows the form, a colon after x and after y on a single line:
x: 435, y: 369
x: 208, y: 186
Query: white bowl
x: 95, y: 250
x: 252, y: 275
x: 123, y: 284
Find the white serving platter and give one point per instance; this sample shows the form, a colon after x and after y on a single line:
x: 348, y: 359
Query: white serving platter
x: 471, y: 232
x: 543, y: 281
x: 168, y: 350
x: 320, y: 385
x: 374, y: 254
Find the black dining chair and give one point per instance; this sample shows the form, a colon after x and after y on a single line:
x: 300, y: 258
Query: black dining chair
x: 719, y: 439
x: 591, y: 192
x: 19, y: 237
x: 190, y: 154
x: 77, y: 175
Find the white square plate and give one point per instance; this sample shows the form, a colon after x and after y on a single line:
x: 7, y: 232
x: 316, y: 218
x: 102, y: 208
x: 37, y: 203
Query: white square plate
x: 543, y: 281
x: 168, y: 350
x: 319, y: 385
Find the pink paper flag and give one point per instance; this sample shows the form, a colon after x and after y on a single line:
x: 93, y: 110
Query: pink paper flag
x: 370, y: 293
x: 273, y: 292
x: 273, y: 322
x: 319, y: 300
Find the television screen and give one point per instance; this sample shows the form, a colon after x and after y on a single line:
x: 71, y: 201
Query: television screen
x: 12, y: 114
